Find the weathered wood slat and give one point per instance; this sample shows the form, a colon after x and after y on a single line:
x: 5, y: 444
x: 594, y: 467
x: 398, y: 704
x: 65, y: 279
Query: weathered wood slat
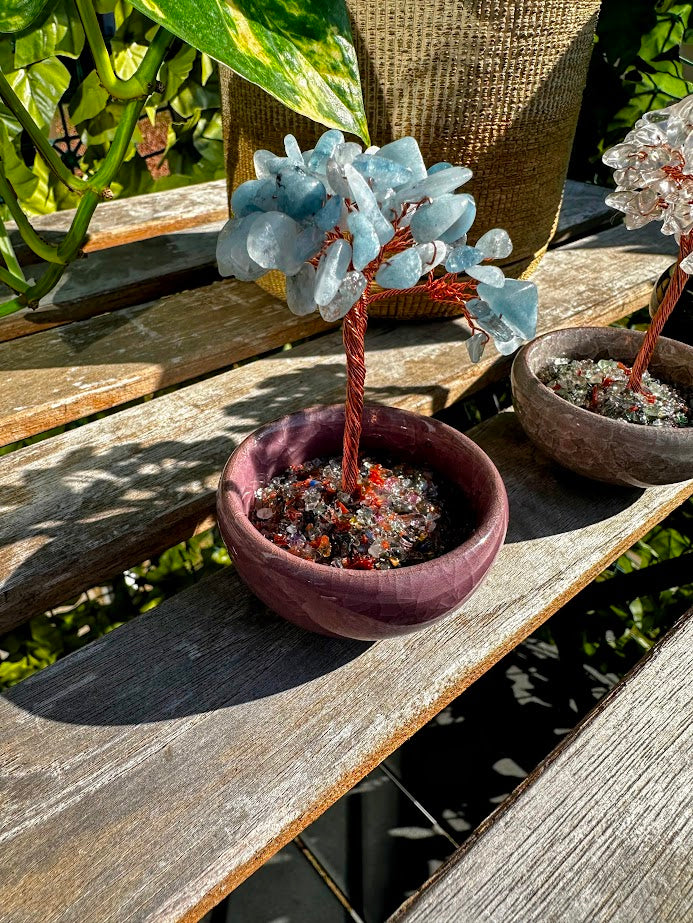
x: 583, y: 212
x: 154, y: 268
x: 144, y: 776
x: 64, y: 374
x: 123, y: 221
x: 602, y: 830
x: 115, y: 278
x: 97, y: 499
x: 111, y: 359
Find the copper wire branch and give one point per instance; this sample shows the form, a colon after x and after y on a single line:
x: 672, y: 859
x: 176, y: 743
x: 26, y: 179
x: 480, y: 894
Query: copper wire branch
x: 671, y: 297
x: 446, y: 288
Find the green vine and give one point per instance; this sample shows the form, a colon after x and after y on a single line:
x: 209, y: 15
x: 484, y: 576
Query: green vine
x: 93, y: 188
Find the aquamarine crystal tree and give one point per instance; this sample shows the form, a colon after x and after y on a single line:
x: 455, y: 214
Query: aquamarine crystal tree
x: 348, y: 226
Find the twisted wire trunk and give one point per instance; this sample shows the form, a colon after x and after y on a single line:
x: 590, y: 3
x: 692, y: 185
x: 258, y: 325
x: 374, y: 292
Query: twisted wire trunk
x: 671, y: 297
x: 354, y: 336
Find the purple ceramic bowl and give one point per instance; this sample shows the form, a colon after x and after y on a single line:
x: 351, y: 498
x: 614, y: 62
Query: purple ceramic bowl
x: 614, y: 451
x: 366, y: 605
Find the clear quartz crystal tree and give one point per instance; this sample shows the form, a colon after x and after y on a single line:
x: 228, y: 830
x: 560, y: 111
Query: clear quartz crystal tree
x: 653, y: 169
x: 348, y: 226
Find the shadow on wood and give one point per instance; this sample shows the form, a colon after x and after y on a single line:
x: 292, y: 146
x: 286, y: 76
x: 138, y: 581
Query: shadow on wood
x: 233, y: 652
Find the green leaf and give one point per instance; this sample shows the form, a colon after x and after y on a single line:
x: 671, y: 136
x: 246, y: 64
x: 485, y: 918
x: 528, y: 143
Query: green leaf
x: 22, y: 180
x: 175, y: 72
x: 6, y: 54
x: 127, y: 57
x: 17, y: 15
x: 89, y: 99
x: 193, y: 98
x: 207, y: 65
x: 42, y: 199
x: 40, y: 88
x: 61, y: 33
x: 301, y: 53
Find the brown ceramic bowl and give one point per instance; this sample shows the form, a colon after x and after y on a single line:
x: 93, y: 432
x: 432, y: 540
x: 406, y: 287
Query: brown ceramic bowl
x: 366, y: 605
x: 594, y: 446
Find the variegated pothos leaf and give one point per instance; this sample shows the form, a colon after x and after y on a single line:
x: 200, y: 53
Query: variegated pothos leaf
x: 300, y: 51
x: 18, y: 15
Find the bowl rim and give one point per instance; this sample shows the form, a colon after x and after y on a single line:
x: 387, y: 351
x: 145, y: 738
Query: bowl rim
x: 521, y: 360
x: 498, y: 510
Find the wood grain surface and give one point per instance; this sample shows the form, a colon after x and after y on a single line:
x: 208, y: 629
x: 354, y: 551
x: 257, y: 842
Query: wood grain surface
x: 61, y: 375
x: 111, y: 359
x: 123, y: 221
x: 602, y: 831
x: 146, y: 775
x: 111, y: 279
x: 85, y: 505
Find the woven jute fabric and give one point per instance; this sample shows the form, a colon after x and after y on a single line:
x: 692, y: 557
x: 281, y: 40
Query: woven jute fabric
x: 492, y: 84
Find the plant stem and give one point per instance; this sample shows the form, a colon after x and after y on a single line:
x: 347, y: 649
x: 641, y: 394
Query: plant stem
x: 354, y: 335
x: 47, y: 281
x: 14, y: 282
x: 100, y: 181
x: 92, y: 190
x: 9, y: 307
x: 31, y: 238
x: 41, y: 142
x: 671, y: 297
x: 134, y: 86
x: 8, y: 254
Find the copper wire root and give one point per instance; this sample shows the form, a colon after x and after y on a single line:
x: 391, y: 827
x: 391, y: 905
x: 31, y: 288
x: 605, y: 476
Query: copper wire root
x: 354, y: 335
x: 671, y: 297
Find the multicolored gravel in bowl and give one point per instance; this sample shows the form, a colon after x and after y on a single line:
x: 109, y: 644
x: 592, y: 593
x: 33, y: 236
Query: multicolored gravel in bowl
x: 399, y: 515
x: 602, y: 387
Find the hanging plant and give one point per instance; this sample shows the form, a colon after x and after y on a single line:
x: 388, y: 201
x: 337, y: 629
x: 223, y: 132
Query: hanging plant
x: 303, y: 56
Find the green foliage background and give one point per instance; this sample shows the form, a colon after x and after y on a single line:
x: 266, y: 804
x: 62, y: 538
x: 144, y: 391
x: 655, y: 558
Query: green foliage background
x: 634, y: 69
x: 50, y: 63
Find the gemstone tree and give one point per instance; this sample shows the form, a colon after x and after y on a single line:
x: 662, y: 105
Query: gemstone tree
x: 348, y: 226
x: 653, y: 169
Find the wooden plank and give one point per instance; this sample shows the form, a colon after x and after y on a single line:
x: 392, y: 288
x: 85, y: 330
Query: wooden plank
x: 111, y: 279
x: 148, y: 774
x: 64, y: 374
x: 583, y: 212
x: 134, y: 274
x: 602, y: 830
x: 111, y: 359
x: 123, y: 221
x: 85, y: 505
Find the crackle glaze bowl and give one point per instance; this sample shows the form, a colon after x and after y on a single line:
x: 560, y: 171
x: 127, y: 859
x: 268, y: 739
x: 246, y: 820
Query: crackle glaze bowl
x: 597, y: 447
x: 366, y: 605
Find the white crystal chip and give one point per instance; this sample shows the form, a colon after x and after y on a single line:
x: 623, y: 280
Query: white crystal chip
x: 300, y: 289
x: 332, y: 269
x: 351, y: 289
x: 654, y: 170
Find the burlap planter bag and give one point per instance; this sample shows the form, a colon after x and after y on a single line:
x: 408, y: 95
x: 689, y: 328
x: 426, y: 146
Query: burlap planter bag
x: 495, y: 85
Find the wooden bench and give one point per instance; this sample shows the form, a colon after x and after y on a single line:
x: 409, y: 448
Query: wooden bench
x: 602, y: 830
x: 146, y: 788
